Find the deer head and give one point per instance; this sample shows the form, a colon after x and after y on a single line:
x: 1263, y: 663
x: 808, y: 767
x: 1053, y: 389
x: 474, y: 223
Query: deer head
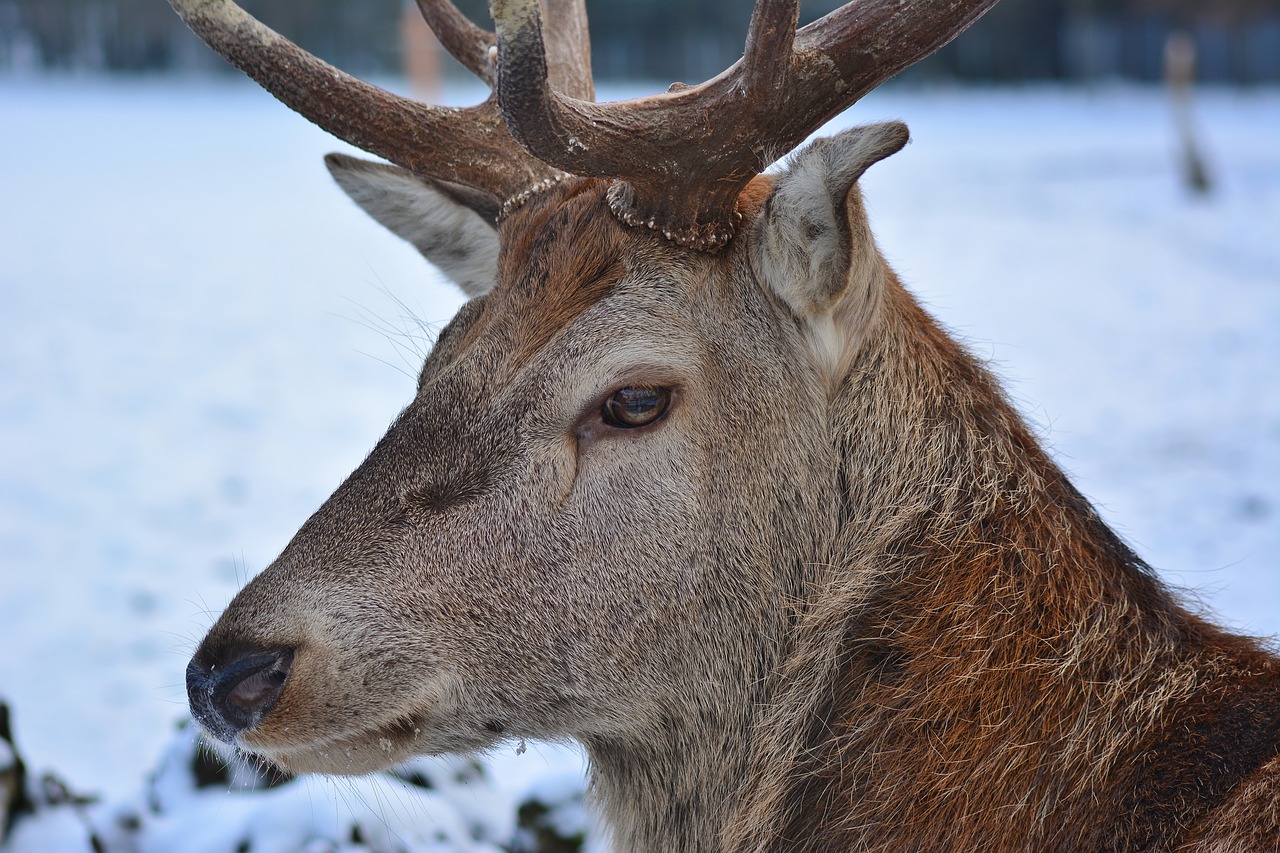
x: 620, y: 481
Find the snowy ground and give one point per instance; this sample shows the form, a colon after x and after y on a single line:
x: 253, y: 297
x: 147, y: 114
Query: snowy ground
x: 200, y: 336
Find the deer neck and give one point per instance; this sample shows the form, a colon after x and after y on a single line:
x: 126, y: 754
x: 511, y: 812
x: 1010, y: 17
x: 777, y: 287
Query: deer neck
x: 675, y: 790
x: 672, y: 784
x: 983, y: 643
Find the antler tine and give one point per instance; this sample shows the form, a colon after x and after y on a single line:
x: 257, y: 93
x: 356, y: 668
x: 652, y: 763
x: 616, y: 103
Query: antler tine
x: 569, y: 48
x: 467, y: 146
x: 466, y: 42
x: 569, y: 51
x: 525, y: 74
x: 522, y: 69
x: 768, y: 56
x: 866, y: 43
x: 681, y: 158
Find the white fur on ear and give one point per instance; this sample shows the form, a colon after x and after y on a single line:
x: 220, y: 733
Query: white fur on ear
x: 448, y: 233
x: 812, y: 236
x: 812, y: 245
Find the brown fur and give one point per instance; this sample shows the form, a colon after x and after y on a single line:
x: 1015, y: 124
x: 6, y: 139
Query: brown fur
x: 564, y: 259
x: 752, y: 199
x: 826, y: 603
x: 1004, y: 673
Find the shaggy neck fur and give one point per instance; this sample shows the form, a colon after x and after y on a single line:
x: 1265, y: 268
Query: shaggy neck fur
x: 672, y: 795
x: 987, y: 666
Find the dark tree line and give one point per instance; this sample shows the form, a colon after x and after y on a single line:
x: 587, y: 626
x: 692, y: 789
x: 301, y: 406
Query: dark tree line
x: 690, y: 40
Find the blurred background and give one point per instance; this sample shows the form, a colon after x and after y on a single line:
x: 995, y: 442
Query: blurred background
x: 200, y: 336
x: 1238, y: 41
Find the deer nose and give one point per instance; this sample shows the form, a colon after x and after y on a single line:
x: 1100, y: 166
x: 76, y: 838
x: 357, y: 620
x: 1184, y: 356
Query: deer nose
x: 227, y: 699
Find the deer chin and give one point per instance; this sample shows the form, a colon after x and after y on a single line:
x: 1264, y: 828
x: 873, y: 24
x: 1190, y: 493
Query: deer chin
x: 366, y: 750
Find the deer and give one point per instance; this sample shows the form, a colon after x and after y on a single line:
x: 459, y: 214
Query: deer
x: 693, y: 481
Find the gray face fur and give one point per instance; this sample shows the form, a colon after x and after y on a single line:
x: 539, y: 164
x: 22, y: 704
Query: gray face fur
x: 506, y: 564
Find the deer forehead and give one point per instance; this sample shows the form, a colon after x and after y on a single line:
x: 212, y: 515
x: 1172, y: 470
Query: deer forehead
x: 576, y: 289
x: 563, y: 351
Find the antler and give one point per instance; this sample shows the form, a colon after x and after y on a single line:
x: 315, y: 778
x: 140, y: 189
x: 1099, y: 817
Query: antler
x: 681, y: 158
x: 469, y: 146
x: 678, y: 160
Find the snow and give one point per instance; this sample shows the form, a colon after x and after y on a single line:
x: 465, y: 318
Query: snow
x: 459, y: 811
x: 200, y: 336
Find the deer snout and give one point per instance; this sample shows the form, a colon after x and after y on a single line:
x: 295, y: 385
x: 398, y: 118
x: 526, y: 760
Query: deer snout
x: 228, y: 698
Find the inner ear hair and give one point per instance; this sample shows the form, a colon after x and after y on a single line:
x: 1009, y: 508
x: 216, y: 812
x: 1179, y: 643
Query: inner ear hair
x: 452, y: 226
x: 811, y: 244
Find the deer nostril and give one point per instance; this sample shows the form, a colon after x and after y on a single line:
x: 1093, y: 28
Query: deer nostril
x: 229, y: 699
x: 258, y: 689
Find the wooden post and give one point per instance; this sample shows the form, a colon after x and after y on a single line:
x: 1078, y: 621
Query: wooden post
x: 421, y: 52
x: 1180, y: 73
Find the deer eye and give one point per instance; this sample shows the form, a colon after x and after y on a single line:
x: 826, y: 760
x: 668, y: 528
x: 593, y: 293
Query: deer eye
x: 635, y: 407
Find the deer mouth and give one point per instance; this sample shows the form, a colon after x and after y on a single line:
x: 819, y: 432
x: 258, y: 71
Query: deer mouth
x: 349, y: 754
x: 368, y: 750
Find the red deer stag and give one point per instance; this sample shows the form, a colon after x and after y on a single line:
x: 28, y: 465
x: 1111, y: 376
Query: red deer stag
x: 693, y: 480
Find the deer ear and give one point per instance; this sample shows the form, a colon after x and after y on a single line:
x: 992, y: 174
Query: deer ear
x: 812, y: 244
x: 450, y: 225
